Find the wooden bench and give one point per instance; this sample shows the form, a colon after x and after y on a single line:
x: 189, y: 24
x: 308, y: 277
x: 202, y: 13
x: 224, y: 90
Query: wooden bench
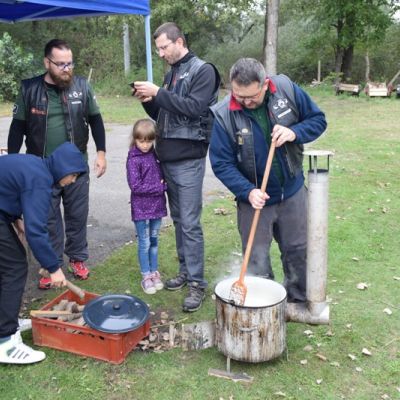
x: 354, y: 90
x: 377, y: 89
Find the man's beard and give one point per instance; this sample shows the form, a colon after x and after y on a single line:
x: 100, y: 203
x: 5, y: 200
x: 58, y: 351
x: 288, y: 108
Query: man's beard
x: 62, y: 81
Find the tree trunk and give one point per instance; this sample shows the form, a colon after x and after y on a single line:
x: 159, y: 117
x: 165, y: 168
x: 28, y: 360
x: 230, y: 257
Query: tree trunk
x: 338, y: 64
x: 127, y: 58
x: 347, y: 62
x: 271, y: 36
x: 367, y: 68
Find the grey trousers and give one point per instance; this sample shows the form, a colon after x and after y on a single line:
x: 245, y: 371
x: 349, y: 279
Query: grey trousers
x: 286, y: 222
x: 75, y: 200
x: 184, y: 189
x: 13, y: 273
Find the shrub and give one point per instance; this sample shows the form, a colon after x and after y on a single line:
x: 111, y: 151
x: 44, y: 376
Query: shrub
x: 13, y: 65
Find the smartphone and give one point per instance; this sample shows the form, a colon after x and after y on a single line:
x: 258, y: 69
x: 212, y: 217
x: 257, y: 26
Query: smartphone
x: 132, y: 85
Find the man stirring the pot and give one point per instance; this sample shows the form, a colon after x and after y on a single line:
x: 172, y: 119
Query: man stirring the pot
x: 259, y: 110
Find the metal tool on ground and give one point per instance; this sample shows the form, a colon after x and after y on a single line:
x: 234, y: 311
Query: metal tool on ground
x: 75, y: 289
x: 239, y: 289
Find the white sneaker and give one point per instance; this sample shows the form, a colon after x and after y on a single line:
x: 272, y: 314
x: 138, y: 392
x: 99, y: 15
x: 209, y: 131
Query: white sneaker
x: 13, y: 351
x: 25, y: 324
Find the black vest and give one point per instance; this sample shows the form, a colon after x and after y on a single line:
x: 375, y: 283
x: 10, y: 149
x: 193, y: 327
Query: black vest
x: 282, y: 110
x: 75, y: 107
x: 178, y: 126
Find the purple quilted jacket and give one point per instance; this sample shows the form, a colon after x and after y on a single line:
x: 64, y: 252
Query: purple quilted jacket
x: 147, y: 191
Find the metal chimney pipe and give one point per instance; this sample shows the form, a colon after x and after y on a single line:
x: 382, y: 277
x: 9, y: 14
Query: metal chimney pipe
x: 317, y: 310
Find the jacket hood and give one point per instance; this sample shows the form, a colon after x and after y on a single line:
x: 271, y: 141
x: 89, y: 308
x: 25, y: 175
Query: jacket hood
x: 66, y: 159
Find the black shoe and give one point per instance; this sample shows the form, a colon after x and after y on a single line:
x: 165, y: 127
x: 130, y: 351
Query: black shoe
x: 194, y: 299
x: 176, y: 283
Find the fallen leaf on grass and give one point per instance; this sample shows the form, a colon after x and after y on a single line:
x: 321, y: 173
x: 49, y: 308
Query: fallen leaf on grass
x: 321, y: 357
x: 358, y: 369
x: 366, y: 352
x: 303, y: 362
x: 319, y: 381
x: 385, y: 397
x: 362, y: 286
x: 220, y: 211
x: 349, y: 326
x: 308, y: 348
x: 280, y: 394
x: 396, y: 278
x: 329, y: 333
x: 355, y: 259
x: 164, y: 315
x: 308, y: 332
x: 334, y: 364
x: 352, y: 357
x: 388, y: 311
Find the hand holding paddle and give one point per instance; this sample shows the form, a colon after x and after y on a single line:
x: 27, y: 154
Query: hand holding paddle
x: 239, y: 289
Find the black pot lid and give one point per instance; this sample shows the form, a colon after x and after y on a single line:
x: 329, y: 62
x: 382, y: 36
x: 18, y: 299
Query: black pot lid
x: 116, y: 313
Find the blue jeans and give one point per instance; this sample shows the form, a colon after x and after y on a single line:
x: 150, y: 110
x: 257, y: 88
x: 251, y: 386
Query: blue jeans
x: 147, y: 233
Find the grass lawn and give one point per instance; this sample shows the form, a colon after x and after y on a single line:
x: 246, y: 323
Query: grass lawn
x: 363, y: 248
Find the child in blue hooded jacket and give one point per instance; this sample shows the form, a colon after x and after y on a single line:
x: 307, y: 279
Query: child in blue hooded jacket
x: 25, y: 192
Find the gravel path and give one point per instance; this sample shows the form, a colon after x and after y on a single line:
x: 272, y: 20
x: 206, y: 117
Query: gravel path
x: 109, y: 224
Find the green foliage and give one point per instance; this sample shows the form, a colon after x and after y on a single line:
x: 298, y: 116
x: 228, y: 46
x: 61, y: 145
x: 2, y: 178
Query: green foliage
x: 14, y: 64
x: 221, y: 32
x: 364, y: 210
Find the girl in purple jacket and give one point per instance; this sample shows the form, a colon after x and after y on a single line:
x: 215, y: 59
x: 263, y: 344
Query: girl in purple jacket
x: 148, y: 204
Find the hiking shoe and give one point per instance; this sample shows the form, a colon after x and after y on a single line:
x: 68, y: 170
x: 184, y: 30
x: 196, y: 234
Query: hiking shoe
x: 44, y: 283
x: 13, y: 351
x: 79, y: 269
x: 195, y: 298
x: 25, y: 324
x: 156, y: 278
x: 148, y: 285
x: 176, y: 283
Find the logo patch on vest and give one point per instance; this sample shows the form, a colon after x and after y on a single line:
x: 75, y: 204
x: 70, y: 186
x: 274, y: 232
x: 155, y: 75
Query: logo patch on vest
x: 74, y: 94
x: 37, y: 111
x: 15, y: 108
x: 281, y: 105
x: 183, y: 76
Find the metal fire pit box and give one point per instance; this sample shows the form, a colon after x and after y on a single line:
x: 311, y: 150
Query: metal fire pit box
x: 83, y: 340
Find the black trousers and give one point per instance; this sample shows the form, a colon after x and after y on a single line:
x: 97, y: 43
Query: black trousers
x: 13, y: 273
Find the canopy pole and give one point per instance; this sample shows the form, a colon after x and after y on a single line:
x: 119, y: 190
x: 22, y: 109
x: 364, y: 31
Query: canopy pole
x: 149, y: 67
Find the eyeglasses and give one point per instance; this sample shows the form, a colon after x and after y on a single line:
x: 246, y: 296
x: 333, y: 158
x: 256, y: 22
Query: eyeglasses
x: 163, y: 48
x: 61, y: 66
x: 249, y: 98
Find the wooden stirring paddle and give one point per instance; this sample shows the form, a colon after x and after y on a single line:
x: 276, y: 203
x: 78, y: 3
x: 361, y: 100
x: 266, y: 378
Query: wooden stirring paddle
x: 239, y: 290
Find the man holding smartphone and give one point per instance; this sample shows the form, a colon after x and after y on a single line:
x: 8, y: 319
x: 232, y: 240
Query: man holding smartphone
x: 184, y: 122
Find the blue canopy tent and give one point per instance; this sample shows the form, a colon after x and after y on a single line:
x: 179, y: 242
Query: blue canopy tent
x: 12, y: 11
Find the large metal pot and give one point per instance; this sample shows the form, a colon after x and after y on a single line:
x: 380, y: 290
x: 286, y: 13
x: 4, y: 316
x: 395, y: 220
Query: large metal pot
x: 254, y: 332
